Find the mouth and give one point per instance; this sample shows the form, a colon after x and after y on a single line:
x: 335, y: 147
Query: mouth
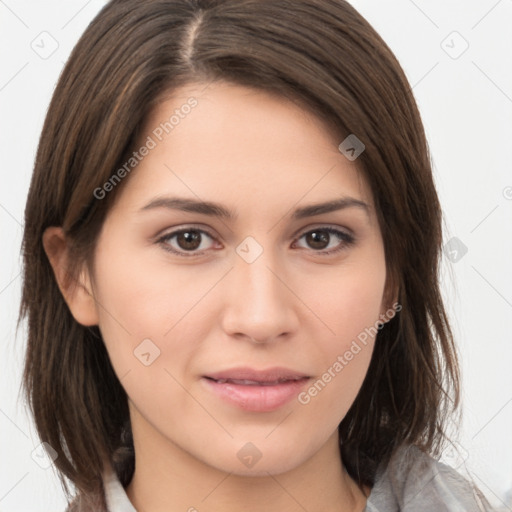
x: 256, y: 390
x: 246, y: 382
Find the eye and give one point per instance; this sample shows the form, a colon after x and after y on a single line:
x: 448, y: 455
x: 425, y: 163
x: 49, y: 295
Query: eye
x: 187, y: 240
x: 194, y: 241
x: 327, y: 240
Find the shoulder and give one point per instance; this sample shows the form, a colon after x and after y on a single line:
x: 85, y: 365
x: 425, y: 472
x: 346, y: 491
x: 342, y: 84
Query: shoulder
x: 415, y: 481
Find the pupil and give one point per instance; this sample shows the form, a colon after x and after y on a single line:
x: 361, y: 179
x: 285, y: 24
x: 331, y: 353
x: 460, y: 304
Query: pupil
x: 189, y: 240
x: 318, y: 239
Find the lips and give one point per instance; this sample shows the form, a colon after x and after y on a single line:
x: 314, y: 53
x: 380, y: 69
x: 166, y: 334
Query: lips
x: 246, y: 382
x: 271, y: 375
x: 256, y: 390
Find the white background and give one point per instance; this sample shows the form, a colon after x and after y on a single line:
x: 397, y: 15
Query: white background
x: 466, y: 105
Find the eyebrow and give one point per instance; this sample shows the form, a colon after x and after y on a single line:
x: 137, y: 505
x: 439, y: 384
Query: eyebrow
x: 217, y: 210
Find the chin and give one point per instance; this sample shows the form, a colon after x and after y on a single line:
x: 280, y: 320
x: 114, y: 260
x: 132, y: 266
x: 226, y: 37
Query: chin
x: 250, y: 461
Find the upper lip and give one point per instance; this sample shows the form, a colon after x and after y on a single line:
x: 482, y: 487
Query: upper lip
x: 275, y: 374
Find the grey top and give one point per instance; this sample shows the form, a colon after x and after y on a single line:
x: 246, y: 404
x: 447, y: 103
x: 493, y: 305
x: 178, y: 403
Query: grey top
x: 411, y: 482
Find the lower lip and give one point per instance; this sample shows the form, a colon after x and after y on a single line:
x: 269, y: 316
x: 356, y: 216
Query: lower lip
x: 257, y: 398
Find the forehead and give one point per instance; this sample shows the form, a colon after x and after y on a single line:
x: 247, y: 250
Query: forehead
x: 243, y: 146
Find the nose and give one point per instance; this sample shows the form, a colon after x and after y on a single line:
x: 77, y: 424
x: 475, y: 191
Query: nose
x: 259, y: 304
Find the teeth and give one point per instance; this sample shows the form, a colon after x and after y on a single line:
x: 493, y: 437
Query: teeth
x: 245, y: 382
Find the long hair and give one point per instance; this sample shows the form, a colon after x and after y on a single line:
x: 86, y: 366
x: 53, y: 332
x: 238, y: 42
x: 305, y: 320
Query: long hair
x: 322, y: 55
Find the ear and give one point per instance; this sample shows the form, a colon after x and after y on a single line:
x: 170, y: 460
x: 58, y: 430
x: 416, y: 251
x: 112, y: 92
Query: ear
x: 77, y: 291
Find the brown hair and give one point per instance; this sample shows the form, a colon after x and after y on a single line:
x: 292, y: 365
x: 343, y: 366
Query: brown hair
x: 321, y: 54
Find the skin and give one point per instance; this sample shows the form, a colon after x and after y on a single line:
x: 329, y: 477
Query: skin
x: 262, y: 157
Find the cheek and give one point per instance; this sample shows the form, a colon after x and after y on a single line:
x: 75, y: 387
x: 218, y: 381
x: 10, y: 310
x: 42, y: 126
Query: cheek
x: 349, y: 303
x: 343, y: 358
x: 138, y: 302
x: 145, y: 323
x: 349, y: 306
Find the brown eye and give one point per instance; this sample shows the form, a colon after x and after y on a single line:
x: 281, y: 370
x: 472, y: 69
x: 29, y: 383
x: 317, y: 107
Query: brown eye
x: 183, y: 241
x: 327, y: 240
x: 188, y: 240
x: 318, y: 239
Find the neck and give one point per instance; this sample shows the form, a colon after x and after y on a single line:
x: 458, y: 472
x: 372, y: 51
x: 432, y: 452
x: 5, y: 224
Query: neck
x: 171, y: 479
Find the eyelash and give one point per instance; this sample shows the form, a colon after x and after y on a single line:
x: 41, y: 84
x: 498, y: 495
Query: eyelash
x: 348, y: 240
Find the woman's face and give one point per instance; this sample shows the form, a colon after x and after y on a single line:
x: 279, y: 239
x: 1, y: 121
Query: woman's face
x: 236, y: 314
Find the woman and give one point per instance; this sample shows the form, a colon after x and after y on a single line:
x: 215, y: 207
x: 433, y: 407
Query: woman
x: 231, y: 267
